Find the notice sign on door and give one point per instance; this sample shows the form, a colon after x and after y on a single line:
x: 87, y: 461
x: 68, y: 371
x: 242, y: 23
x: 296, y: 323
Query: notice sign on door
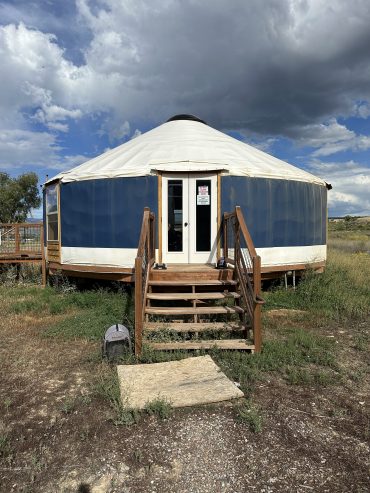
x: 203, y: 195
x: 202, y: 199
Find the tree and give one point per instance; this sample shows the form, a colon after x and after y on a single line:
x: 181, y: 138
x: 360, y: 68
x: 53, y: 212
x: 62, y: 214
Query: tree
x: 18, y: 196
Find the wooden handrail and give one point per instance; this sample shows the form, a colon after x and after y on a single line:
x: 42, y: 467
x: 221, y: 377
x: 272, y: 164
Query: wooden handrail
x: 144, y: 260
x: 29, y: 225
x: 247, y: 267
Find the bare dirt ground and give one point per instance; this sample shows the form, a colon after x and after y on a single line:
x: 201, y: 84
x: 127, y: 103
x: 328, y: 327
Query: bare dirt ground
x: 59, y: 437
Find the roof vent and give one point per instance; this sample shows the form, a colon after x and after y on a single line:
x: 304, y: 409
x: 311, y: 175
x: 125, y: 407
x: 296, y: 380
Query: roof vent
x: 186, y: 117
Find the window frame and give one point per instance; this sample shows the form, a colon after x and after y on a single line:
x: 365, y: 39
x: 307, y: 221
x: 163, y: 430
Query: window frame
x: 54, y: 213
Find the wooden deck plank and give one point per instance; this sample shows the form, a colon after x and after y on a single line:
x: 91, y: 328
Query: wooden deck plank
x: 238, y: 344
x: 192, y: 282
x: 192, y: 296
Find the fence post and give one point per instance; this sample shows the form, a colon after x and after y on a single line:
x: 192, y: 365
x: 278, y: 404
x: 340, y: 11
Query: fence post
x: 43, y: 260
x: 257, y: 336
x: 138, y: 306
x: 17, y: 239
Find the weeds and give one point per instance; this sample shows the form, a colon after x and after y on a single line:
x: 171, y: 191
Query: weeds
x: 250, y: 414
x: 159, y: 407
x: 5, y: 446
x: 296, y: 348
x: 361, y: 342
x: 341, y: 292
x: 18, y: 275
x: 7, y: 403
x: 304, y: 376
x: 107, y: 388
x: 68, y: 406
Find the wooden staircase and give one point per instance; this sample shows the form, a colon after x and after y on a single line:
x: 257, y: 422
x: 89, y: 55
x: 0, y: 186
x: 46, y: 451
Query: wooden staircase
x: 192, y: 307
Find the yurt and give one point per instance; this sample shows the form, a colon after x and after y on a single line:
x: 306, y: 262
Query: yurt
x: 188, y: 174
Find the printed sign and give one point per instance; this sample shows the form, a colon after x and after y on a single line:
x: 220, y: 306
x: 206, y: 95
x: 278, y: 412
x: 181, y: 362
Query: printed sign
x: 203, y: 190
x: 203, y: 200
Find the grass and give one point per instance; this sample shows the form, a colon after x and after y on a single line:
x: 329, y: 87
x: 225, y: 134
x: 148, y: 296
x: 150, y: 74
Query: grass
x: 299, y: 356
x: 106, y: 387
x: 295, y: 348
x: 341, y: 292
x: 85, y: 314
x: 361, y: 341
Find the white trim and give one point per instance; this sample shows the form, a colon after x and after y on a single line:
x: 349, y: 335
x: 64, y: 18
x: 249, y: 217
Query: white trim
x: 189, y: 253
x: 109, y: 257
x: 194, y: 256
x: 183, y: 256
x: 291, y: 255
x: 125, y: 257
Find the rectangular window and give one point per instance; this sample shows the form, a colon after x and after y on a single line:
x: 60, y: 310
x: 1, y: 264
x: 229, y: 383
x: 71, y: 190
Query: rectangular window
x: 52, y: 213
x: 175, y: 213
x: 203, y: 215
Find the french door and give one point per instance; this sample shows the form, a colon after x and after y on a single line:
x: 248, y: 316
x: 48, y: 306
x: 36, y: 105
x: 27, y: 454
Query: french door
x: 189, y: 218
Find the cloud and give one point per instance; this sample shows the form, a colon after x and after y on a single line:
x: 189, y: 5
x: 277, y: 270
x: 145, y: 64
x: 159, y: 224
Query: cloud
x: 23, y: 149
x: 351, y: 185
x: 269, y: 67
x: 330, y: 138
x: 264, y: 67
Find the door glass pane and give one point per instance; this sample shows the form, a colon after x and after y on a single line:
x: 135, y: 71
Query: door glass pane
x: 175, y: 215
x: 203, y: 215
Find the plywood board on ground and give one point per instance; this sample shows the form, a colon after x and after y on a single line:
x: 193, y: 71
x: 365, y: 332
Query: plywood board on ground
x: 188, y: 382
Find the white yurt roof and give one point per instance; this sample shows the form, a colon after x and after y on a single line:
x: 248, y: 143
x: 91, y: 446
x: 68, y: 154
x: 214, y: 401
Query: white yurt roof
x: 185, y: 145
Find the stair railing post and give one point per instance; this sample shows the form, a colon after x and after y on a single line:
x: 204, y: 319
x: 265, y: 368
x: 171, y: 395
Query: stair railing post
x: 152, y: 239
x: 236, y: 240
x: 138, y: 306
x: 257, y: 335
x: 226, y: 247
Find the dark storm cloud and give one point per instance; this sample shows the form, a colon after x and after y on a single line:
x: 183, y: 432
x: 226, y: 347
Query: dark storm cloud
x: 271, y: 67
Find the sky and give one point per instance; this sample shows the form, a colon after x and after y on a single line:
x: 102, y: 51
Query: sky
x: 291, y: 77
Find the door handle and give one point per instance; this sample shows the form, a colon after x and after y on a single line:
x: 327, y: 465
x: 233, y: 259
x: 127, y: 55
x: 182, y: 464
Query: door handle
x: 185, y: 224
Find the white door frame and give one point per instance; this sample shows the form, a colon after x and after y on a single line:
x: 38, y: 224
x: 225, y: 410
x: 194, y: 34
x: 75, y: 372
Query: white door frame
x: 180, y: 257
x: 189, y: 253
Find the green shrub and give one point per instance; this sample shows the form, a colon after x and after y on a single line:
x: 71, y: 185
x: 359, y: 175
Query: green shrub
x: 159, y: 407
x: 250, y: 414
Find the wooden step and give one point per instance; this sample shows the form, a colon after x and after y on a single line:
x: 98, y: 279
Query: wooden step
x: 177, y: 310
x: 239, y: 344
x: 192, y: 296
x: 187, y: 274
x: 192, y: 327
x: 193, y: 282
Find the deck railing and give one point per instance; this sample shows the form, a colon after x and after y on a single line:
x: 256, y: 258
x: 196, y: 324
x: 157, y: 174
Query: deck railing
x: 240, y: 252
x: 17, y: 239
x: 144, y: 260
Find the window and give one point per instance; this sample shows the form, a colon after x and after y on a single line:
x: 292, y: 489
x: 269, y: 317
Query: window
x: 52, y: 213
